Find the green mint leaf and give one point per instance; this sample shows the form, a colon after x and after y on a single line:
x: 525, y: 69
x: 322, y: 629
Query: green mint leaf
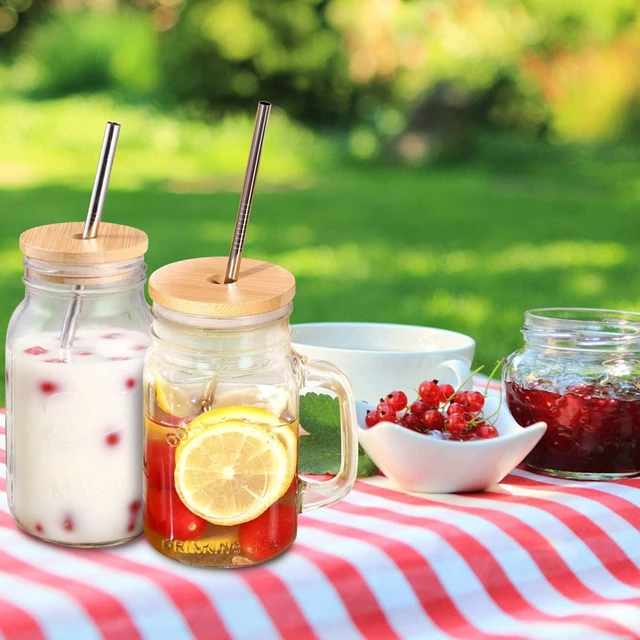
x: 366, y: 466
x: 319, y: 451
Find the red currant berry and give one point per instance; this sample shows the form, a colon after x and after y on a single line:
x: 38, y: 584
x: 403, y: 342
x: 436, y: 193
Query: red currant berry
x: 486, y: 431
x: 474, y: 401
x: 412, y: 421
x: 460, y: 397
x: 446, y: 392
x: 456, y: 408
x: 419, y: 408
x: 456, y: 423
x: 372, y: 418
x: 467, y: 436
x: 397, y: 399
x: 429, y: 391
x: 433, y: 419
x: 386, y: 412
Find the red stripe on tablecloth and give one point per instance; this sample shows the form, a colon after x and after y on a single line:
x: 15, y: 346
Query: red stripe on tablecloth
x: 623, y: 507
x: 433, y: 597
x: 548, y: 560
x: 612, y: 557
x: 189, y: 599
x: 17, y: 623
x: 482, y: 563
x: 107, y: 612
x: 359, y: 601
x: 282, y: 608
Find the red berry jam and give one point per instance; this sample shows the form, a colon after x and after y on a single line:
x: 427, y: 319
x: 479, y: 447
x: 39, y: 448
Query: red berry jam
x: 590, y: 430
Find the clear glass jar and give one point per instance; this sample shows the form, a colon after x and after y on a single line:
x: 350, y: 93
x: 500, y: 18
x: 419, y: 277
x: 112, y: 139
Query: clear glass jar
x: 221, y: 399
x: 74, y: 415
x: 579, y: 372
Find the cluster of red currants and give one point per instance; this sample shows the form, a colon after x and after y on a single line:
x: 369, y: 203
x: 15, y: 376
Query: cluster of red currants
x: 439, y: 411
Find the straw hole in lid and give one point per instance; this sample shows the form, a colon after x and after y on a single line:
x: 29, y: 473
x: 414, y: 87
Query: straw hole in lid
x: 218, y: 279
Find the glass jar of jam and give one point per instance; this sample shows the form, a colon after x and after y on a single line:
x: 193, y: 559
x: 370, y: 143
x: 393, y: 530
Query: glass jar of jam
x: 579, y: 372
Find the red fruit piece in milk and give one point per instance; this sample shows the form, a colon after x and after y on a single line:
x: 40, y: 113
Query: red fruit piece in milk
x: 49, y: 387
x: 35, y: 351
x: 112, y: 438
x: 134, y: 515
x: 111, y: 336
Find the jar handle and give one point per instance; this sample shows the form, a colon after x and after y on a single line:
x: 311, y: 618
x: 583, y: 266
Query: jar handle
x: 321, y: 493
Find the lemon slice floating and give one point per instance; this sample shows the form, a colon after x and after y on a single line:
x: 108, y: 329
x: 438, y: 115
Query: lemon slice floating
x: 251, y: 415
x: 241, y: 413
x: 172, y: 399
x: 270, y: 398
x: 230, y: 472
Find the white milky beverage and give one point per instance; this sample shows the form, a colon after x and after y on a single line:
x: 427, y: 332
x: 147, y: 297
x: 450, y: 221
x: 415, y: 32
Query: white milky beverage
x: 75, y: 449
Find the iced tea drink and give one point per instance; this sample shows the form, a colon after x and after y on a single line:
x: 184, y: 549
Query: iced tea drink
x: 221, y: 488
x: 221, y: 396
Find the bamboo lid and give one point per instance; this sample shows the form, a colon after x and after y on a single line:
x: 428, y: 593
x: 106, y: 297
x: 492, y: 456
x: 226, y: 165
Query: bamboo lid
x: 196, y: 287
x: 63, y: 244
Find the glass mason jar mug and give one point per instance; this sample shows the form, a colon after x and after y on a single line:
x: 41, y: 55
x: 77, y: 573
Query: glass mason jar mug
x: 74, y: 412
x: 221, y: 396
x: 579, y: 372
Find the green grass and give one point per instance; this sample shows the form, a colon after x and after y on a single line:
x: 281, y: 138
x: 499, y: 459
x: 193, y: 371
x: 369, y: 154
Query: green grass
x: 466, y: 247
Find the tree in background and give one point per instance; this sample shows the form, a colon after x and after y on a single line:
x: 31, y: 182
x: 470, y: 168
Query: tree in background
x: 382, y: 68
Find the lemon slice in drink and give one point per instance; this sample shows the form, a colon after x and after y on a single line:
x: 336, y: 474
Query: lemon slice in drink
x: 240, y: 413
x: 231, y: 472
x: 268, y: 397
x: 172, y: 399
x: 251, y: 415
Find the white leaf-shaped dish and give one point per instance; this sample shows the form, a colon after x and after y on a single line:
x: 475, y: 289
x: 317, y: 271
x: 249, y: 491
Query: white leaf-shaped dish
x: 422, y: 463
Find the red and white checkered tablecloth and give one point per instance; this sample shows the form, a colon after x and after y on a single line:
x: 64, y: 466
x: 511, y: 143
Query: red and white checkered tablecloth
x: 534, y: 558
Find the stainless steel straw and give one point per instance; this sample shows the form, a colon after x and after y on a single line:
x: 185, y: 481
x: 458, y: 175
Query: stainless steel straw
x: 94, y: 215
x: 246, y: 199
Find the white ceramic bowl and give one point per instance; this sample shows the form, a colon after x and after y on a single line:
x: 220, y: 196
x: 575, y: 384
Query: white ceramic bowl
x: 421, y: 463
x: 378, y: 358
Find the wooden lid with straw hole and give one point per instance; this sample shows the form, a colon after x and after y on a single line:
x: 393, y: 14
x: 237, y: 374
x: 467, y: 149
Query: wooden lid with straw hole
x: 196, y: 287
x: 63, y: 244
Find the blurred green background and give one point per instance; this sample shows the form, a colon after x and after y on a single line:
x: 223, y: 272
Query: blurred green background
x: 442, y: 163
